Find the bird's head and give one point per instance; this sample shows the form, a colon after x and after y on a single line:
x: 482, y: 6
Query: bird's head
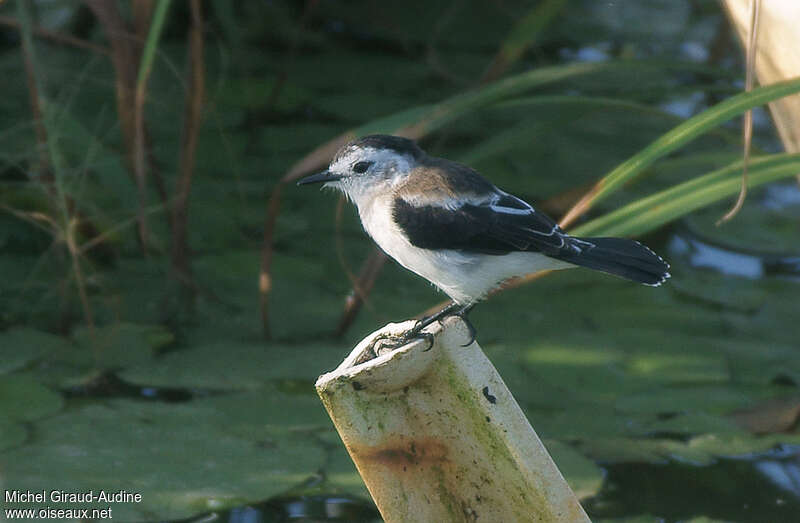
x: 369, y: 166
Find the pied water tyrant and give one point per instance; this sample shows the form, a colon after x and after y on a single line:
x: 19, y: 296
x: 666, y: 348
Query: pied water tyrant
x: 445, y: 222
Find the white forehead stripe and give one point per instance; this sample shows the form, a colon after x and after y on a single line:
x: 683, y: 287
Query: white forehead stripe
x: 401, y: 161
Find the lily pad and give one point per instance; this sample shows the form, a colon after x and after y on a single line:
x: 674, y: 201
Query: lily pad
x: 670, y: 400
x: 583, y: 475
x: 22, y: 346
x: 22, y: 398
x: 593, y: 374
x: 738, y: 444
x: 184, y: 459
x: 642, y: 450
x: 764, y: 228
x: 700, y: 367
x: 689, y: 424
x: 121, y: 344
x: 268, y: 411
x: 234, y: 366
x: 768, y: 364
x: 576, y: 422
x: 12, y: 435
x: 771, y: 416
x: 340, y: 473
x: 724, y: 291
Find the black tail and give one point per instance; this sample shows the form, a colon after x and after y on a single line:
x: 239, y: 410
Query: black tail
x: 620, y: 257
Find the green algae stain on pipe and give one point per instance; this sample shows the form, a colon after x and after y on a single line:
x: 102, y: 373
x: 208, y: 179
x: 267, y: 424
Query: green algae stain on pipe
x: 437, y: 436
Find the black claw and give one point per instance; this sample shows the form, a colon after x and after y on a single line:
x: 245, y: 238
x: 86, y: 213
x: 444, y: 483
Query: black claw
x: 398, y: 341
x: 453, y: 309
x: 462, y: 313
x: 429, y: 337
x: 470, y: 329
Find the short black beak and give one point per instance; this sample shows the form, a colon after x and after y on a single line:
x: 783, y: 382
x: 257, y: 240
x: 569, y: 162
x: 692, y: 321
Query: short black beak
x: 324, y: 176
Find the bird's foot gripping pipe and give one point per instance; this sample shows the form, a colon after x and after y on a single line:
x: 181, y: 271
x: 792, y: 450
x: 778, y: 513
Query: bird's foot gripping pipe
x: 392, y: 342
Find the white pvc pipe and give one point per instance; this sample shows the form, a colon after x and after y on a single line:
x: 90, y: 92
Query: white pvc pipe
x: 437, y: 436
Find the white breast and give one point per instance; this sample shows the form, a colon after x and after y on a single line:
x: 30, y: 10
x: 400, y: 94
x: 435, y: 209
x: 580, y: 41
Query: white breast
x: 465, y: 277
x: 376, y: 217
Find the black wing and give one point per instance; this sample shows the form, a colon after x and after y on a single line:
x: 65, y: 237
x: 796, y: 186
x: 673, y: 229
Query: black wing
x: 501, y: 225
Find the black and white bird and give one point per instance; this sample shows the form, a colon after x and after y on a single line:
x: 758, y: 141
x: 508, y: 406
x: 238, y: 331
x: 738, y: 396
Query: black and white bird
x: 445, y: 222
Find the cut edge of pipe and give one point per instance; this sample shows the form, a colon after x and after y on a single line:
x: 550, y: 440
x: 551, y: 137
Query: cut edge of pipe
x: 390, y: 371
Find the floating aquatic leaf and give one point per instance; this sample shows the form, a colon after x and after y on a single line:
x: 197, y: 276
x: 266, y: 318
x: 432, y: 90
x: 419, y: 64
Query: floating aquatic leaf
x: 738, y: 444
x: 672, y: 400
x: 720, y: 290
x: 765, y: 227
x: 583, y: 475
x: 121, y: 344
x: 641, y: 450
x: 12, y: 435
x: 771, y: 416
x: 234, y: 366
x: 183, y: 459
x: 708, y: 367
x: 22, y: 346
x: 577, y: 421
x: 23, y: 398
x: 688, y: 424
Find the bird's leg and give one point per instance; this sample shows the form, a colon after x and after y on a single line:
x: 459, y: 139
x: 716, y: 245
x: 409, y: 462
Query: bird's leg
x: 453, y: 309
x: 448, y: 310
x: 416, y: 331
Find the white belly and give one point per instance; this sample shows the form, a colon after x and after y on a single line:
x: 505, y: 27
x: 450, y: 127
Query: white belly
x: 465, y: 277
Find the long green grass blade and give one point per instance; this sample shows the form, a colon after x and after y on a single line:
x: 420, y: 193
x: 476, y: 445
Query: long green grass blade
x: 422, y: 120
x: 520, y: 134
x: 522, y: 35
x: 427, y: 118
x: 647, y: 214
x: 680, y: 135
x: 529, y: 27
x: 151, y: 44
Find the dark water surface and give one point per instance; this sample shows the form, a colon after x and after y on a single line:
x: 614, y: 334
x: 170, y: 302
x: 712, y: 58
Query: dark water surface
x: 753, y: 489
x: 746, y: 489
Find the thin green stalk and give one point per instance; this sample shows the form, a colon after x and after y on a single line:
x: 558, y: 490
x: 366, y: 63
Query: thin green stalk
x: 67, y: 227
x: 151, y: 45
x: 139, y: 146
x: 522, y: 36
x: 518, y: 135
x: 677, y: 137
x: 647, y: 214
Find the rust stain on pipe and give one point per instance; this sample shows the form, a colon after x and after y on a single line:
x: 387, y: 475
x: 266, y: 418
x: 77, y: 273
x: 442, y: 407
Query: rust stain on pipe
x: 402, y: 454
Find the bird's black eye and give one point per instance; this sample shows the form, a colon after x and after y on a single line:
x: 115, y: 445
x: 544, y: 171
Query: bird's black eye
x: 361, y: 167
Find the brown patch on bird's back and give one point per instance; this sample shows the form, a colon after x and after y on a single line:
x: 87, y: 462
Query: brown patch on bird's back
x: 437, y: 178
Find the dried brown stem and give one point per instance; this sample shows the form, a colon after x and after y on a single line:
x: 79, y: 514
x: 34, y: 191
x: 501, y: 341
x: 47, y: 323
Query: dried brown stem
x: 66, y: 230
x: 747, y: 126
x: 264, y: 276
x: 362, y: 287
x: 56, y: 37
x: 142, y: 11
x: 126, y: 46
x: 43, y: 174
x: 316, y: 159
x: 80, y: 281
x: 191, y: 126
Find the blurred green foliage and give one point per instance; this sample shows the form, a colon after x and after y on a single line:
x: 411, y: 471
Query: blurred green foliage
x: 607, y: 372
